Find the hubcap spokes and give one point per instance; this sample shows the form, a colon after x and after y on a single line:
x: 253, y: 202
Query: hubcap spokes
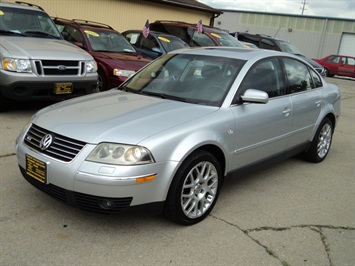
x: 324, y: 141
x: 199, y: 189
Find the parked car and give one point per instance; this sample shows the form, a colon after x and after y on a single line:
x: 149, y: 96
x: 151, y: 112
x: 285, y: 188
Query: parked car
x: 169, y: 135
x: 116, y: 58
x: 188, y: 33
x: 36, y: 62
x: 156, y: 43
x: 249, y: 45
x: 340, y: 65
x: 270, y: 43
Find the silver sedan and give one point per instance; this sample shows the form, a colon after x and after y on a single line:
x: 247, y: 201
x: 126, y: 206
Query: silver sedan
x: 169, y: 135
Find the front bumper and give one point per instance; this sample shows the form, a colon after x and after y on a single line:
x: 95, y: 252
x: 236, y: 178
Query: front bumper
x: 98, y: 187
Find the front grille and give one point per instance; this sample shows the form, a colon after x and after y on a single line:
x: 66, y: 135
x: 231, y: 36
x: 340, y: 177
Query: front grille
x: 62, y: 148
x: 60, y: 68
x: 80, y: 200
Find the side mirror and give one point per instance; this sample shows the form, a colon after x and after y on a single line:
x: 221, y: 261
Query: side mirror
x: 255, y: 96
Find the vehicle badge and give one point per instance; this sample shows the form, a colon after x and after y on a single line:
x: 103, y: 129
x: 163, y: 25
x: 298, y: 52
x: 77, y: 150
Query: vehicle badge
x: 45, y: 142
x: 62, y: 67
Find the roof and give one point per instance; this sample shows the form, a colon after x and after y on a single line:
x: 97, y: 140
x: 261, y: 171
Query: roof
x: 191, y: 4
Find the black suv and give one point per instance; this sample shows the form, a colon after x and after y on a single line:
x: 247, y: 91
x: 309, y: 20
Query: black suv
x: 156, y: 43
x: 270, y: 43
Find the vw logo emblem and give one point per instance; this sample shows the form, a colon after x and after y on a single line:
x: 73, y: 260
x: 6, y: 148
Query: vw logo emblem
x: 61, y: 67
x: 45, y: 142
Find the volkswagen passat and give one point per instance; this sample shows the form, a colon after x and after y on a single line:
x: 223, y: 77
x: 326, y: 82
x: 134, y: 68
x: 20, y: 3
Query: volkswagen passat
x: 171, y: 133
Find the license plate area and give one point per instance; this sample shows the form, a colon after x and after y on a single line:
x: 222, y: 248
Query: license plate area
x: 36, y: 169
x: 63, y: 88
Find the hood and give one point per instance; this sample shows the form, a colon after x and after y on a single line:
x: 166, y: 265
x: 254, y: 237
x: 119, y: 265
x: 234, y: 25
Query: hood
x: 41, y: 48
x: 116, y: 116
x: 129, y: 61
x: 311, y: 62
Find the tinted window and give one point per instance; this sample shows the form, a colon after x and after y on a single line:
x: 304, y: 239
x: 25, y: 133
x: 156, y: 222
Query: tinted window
x: 170, y: 43
x: 225, y: 39
x: 317, y: 81
x: 333, y: 59
x: 200, y: 39
x: 267, y: 44
x: 299, y: 78
x: 266, y: 76
x: 288, y: 47
x: 110, y: 41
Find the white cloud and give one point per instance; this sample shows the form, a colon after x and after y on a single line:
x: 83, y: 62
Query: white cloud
x: 322, y: 8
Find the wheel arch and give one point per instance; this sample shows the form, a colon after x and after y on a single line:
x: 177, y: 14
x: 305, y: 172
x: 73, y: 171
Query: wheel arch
x: 217, y: 153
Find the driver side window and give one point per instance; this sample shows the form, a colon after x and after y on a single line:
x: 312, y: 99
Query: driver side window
x: 266, y: 76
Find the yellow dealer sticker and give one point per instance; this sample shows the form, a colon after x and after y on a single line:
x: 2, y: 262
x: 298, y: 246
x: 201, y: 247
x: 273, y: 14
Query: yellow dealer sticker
x: 163, y: 39
x: 216, y: 35
x: 1, y: 13
x: 91, y: 33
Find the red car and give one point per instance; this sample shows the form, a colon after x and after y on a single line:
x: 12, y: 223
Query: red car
x: 339, y: 65
x: 116, y: 58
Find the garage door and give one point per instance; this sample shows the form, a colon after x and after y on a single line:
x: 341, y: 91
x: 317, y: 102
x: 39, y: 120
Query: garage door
x: 347, y: 44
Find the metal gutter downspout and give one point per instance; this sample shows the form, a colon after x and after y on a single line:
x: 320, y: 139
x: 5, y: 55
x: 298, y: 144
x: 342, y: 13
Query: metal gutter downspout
x: 322, y: 39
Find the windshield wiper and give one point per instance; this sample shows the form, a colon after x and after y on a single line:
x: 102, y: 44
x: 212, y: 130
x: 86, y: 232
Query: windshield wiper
x: 167, y: 96
x: 9, y: 32
x: 127, y: 89
x: 40, y: 33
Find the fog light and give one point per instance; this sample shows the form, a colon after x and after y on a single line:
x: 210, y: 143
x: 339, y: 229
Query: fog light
x: 106, y: 204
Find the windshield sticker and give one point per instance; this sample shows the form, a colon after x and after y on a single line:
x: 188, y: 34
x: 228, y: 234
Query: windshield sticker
x: 91, y: 33
x: 216, y: 35
x: 163, y: 39
x: 1, y: 13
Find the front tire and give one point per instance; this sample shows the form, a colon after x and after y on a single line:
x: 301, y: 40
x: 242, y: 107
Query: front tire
x: 321, y: 142
x: 102, y: 81
x: 194, y: 189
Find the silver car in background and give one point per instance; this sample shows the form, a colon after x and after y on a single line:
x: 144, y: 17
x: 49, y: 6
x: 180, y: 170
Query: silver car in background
x: 170, y: 134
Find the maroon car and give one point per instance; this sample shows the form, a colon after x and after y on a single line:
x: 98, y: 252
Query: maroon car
x: 116, y: 58
x: 340, y: 65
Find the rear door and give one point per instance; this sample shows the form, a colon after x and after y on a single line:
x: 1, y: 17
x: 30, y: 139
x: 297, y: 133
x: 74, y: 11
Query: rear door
x: 347, y: 66
x: 304, y: 86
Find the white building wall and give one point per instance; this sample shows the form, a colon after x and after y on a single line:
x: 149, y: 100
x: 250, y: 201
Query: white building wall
x: 315, y: 37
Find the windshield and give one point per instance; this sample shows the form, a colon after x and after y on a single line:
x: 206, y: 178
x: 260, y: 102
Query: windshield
x: 108, y: 41
x: 27, y: 23
x: 288, y: 48
x: 171, y: 43
x: 185, y: 77
x: 226, y: 39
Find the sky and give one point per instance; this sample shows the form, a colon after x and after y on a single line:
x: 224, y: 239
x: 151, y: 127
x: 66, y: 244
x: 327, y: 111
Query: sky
x: 322, y: 8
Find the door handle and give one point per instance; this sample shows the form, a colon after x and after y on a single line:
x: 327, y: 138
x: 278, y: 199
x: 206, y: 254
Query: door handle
x: 286, y: 111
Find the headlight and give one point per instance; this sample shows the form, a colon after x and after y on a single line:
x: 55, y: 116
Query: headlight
x: 123, y: 73
x: 17, y: 65
x: 120, y: 154
x: 91, y: 66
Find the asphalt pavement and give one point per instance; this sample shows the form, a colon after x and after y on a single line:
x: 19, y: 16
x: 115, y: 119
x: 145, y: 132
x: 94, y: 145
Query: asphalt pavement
x: 290, y: 213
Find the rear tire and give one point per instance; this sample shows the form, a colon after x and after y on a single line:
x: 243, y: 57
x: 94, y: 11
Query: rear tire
x: 194, y: 189
x: 321, y: 142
